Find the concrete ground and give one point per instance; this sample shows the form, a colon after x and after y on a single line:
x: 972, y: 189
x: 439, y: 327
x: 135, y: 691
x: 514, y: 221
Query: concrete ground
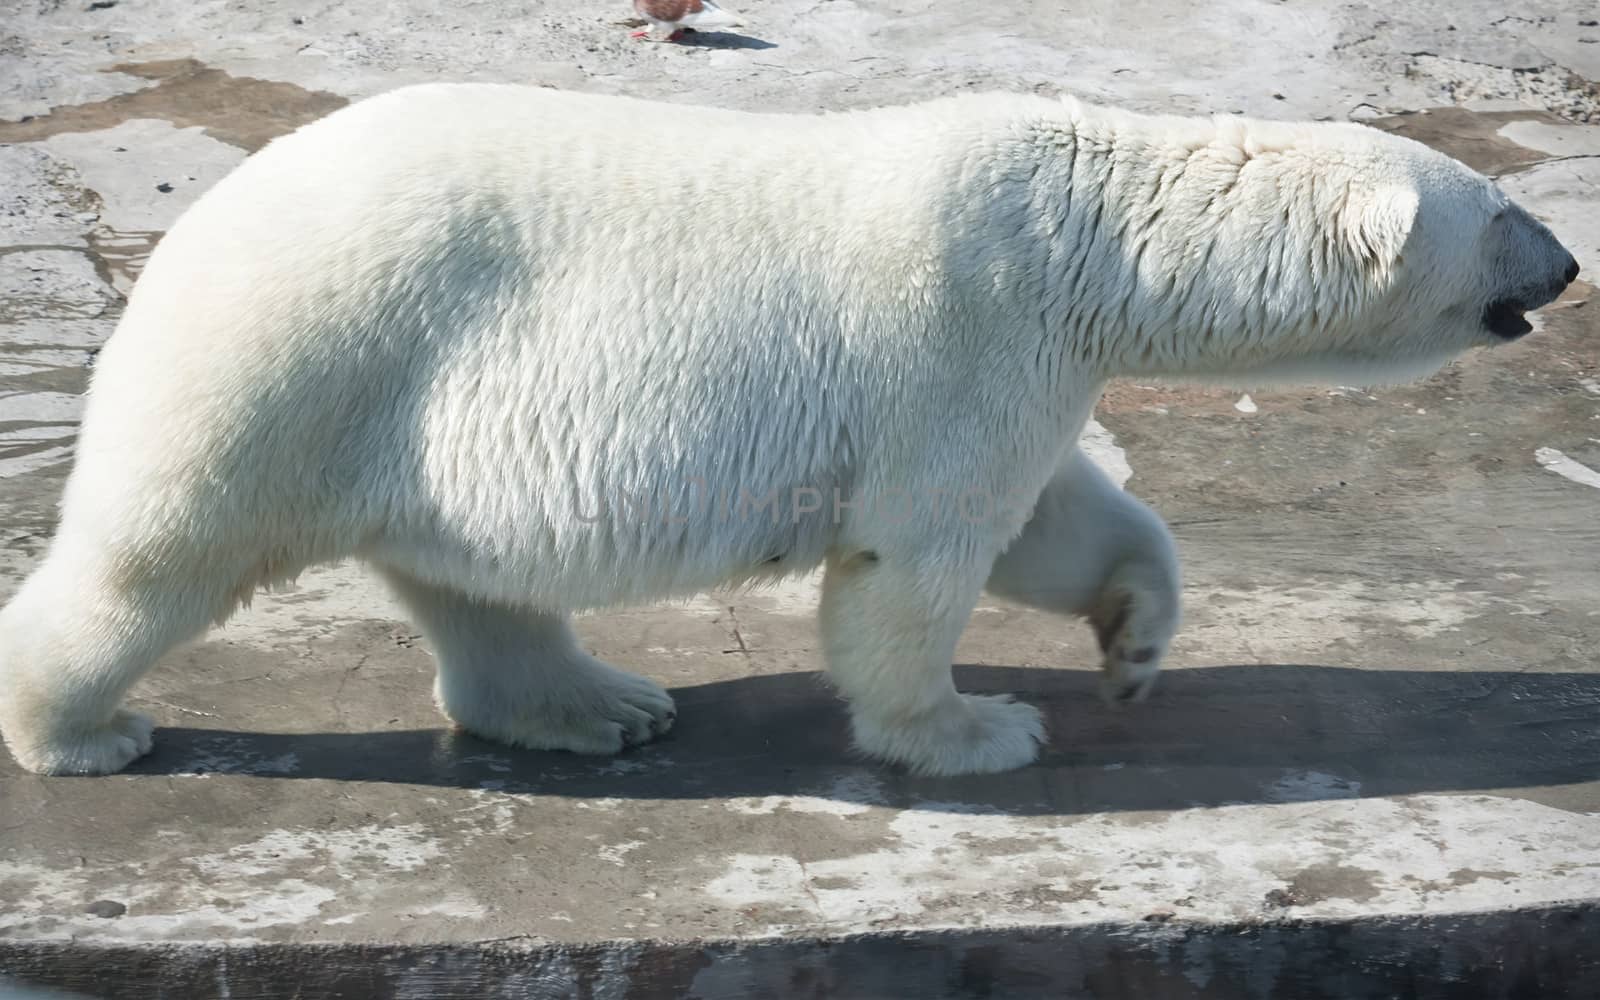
x: 1369, y: 771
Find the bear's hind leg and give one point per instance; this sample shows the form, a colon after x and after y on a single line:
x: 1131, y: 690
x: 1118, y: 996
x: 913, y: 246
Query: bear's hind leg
x: 517, y: 676
x: 83, y: 628
x: 890, y: 632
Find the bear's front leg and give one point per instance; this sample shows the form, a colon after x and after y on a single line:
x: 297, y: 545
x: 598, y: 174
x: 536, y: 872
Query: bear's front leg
x: 890, y: 622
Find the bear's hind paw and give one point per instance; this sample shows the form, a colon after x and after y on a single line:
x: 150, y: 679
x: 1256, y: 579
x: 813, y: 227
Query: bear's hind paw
x: 104, y: 749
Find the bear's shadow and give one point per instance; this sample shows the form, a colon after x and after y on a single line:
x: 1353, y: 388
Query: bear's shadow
x: 1208, y: 736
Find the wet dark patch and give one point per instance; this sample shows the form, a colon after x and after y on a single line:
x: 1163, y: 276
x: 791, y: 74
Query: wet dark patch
x: 1321, y: 882
x: 1282, y: 898
x: 119, y: 254
x: 1467, y: 876
x: 1471, y: 136
x: 239, y: 110
x: 833, y: 882
x: 1077, y: 892
x: 997, y: 846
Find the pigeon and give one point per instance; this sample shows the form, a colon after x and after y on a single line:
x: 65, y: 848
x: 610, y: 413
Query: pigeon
x: 668, y: 18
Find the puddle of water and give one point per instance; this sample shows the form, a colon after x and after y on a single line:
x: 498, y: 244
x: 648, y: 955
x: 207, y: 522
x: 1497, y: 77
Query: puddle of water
x: 239, y: 110
x: 1473, y: 137
x: 120, y: 256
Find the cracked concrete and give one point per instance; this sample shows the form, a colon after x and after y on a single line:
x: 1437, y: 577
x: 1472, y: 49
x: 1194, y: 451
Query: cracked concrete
x: 1370, y: 770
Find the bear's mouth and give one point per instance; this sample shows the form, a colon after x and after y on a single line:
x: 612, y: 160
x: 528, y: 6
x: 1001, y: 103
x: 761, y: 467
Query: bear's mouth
x: 1505, y: 319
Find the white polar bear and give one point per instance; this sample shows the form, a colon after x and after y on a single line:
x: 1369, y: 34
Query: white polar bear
x: 526, y: 352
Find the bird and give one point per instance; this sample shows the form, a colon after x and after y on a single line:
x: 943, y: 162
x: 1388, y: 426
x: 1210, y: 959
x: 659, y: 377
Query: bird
x: 669, y: 18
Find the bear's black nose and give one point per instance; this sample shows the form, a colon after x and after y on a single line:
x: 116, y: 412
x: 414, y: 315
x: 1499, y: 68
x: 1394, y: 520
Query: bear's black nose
x: 1572, y: 268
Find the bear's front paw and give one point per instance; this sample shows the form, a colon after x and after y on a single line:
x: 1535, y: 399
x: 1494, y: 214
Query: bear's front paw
x: 968, y: 734
x: 103, y: 749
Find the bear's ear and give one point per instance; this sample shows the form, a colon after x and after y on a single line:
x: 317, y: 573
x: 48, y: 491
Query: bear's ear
x: 1378, y: 222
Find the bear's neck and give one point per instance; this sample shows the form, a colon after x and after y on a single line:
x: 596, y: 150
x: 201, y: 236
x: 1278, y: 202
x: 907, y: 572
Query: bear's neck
x: 1168, y: 246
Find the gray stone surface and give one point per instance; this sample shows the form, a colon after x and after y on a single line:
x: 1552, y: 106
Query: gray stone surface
x: 1370, y: 770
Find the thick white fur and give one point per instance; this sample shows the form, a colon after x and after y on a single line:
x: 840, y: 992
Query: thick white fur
x: 1122, y: 573
x: 442, y: 329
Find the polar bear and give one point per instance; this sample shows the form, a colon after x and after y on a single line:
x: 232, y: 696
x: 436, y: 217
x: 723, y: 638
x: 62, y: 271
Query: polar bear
x: 459, y: 331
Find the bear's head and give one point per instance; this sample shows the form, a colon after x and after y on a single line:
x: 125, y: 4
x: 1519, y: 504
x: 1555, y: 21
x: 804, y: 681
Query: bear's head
x: 1374, y: 259
x: 1465, y: 263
